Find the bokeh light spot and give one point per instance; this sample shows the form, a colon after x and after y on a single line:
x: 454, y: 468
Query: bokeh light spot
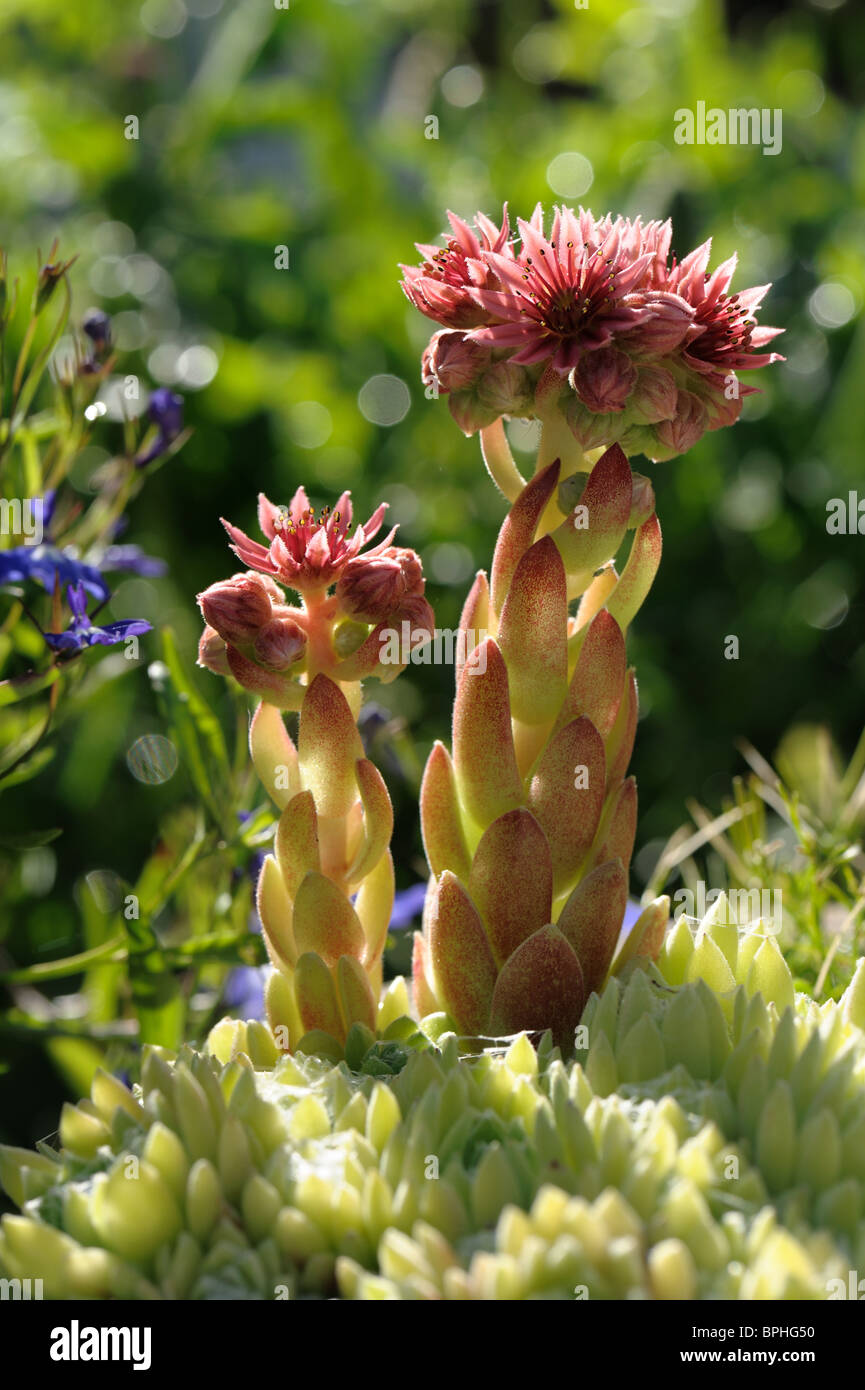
x: 152, y: 759
x: 570, y: 174
x: 384, y: 400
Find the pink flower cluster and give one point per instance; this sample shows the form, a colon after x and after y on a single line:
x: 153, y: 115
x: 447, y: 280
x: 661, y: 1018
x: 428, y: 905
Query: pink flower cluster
x: 255, y: 635
x: 638, y: 348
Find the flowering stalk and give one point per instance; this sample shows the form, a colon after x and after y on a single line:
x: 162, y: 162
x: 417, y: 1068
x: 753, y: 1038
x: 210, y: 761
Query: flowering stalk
x: 529, y: 826
x: 326, y: 892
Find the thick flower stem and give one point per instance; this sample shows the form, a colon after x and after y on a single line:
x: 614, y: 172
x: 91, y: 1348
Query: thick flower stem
x: 557, y: 442
x: 500, y: 461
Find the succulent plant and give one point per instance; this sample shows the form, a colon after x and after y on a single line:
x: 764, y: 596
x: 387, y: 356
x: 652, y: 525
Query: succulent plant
x: 530, y: 825
x: 708, y: 1143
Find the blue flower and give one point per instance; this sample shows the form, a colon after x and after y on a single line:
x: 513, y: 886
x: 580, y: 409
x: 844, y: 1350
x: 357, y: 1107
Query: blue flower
x: 97, y: 326
x: 407, y: 905
x: 244, y: 990
x: 165, y: 410
x: 132, y: 559
x: 44, y: 562
x: 82, y: 633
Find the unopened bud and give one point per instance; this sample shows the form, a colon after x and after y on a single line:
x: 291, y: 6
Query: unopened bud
x: 452, y: 361
x: 212, y: 653
x: 374, y: 586
x: 604, y: 379
x: 238, y: 607
x: 279, y: 644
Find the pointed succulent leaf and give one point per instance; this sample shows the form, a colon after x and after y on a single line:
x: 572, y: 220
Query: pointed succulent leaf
x: 296, y: 842
x: 511, y: 881
x: 596, y: 595
x: 274, y: 754
x: 591, y: 920
x: 647, y: 934
x: 617, y: 834
x: 377, y: 819
x: 462, y: 962
x: 533, y: 634
x: 474, y: 621
x: 425, y: 1001
x: 566, y: 795
x: 316, y: 997
x: 325, y: 921
x: 374, y: 905
x: 598, y: 682
x: 441, y: 819
x: 518, y: 531
x: 636, y: 578
x: 607, y: 502
x: 484, y: 759
x: 620, y: 744
x: 283, y: 1014
x: 355, y: 993
x: 275, y: 910
x: 328, y: 747
x: 540, y: 987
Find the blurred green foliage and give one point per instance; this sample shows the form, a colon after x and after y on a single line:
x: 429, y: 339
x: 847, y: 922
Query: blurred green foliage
x: 257, y: 128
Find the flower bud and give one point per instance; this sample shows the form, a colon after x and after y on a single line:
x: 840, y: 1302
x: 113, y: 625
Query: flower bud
x: 279, y: 643
x: 507, y: 389
x: 452, y: 361
x: 374, y: 586
x: 469, y: 412
x: 687, y: 425
x: 642, y: 501
x: 238, y: 607
x: 212, y: 653
x: 604, y: 379
x: 654, y: 397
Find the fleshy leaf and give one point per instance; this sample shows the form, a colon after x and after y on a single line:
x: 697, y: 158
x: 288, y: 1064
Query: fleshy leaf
x: 607, y: 502
x: 328, y: 747
x: 566, y: 795
x: 636, y: 578
x: 518, y: 530
x: 274, y: 754
x: 355, y: 993
x: 441, y: 822
x: 374, y: 905
x: 620, y: 743
x: 325, y: 921
x: 511, y: 881
x: 540, y: 987
x: 591, y: 919
x: 275, y: 910
x: 377, y: 819
x: 460, y: 955
x: 474, y: 620
x: 316, y: 997
x: 484, y: 759
x: 296, y: 842
x: 425, y: 1001
x: 533, y: 634
x: 618, y: 834
x: 598, y: 681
